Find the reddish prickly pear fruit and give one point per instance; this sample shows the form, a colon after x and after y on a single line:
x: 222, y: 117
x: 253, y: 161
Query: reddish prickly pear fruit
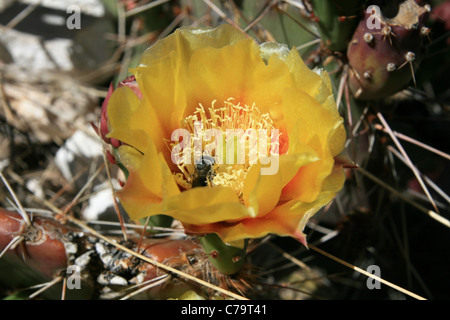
x: 384, y: 52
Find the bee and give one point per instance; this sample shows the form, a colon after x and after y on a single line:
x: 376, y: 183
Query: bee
x: 204, y: 172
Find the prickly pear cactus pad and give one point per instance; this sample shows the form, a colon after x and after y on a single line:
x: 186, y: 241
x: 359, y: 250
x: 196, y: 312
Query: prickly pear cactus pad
x: 224, y: 150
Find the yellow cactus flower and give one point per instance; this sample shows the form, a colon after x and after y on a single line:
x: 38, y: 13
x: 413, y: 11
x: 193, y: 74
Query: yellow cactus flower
x: 202, y: 80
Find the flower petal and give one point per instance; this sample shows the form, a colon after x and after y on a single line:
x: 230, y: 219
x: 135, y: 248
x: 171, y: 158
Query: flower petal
x: 165, y: 92
x: 304, y: 78
x: 150, y: 181
x: 203, y: 205
x: 292, y: 162
x: 123, y: 126
x: 261, y: 192
x: 188, y: 40
x: 286, y: 220
x: 314, y: 126
x: 218, y: 74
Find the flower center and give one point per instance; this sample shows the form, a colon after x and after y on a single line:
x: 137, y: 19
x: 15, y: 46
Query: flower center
x: 221, y: 143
